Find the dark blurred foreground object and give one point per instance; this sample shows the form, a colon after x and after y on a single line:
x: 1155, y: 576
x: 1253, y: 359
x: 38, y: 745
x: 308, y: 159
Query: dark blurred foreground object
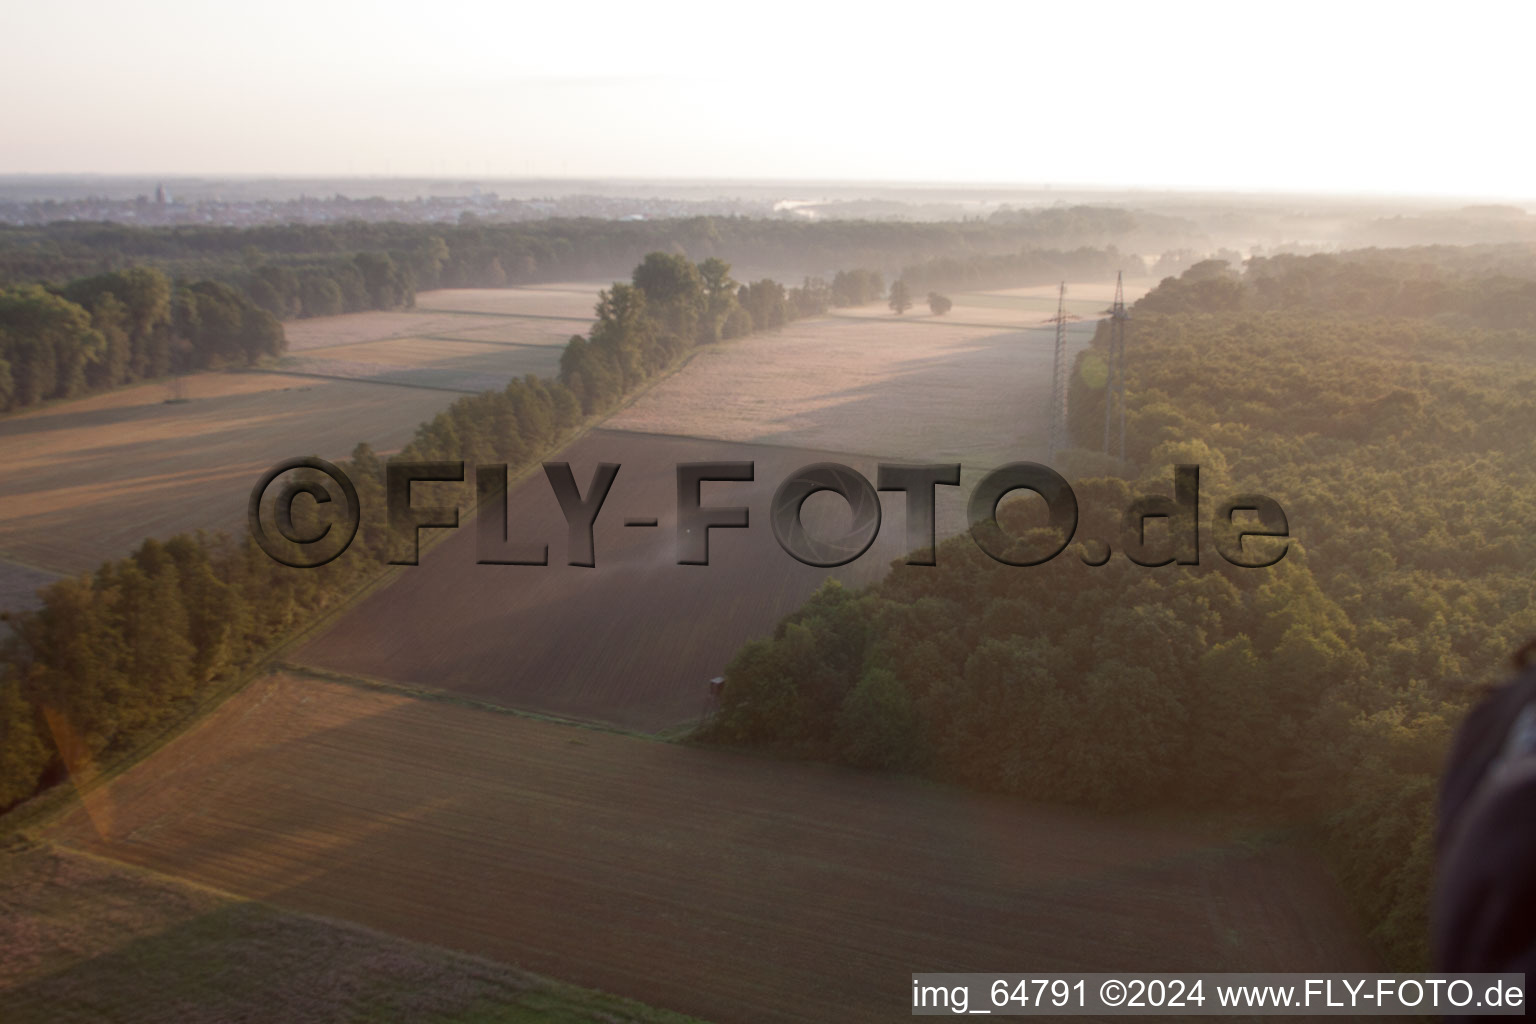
x: 1485, y: 892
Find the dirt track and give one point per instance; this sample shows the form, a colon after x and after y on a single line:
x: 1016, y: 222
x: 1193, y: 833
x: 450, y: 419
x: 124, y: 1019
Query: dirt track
x: 733, y: 887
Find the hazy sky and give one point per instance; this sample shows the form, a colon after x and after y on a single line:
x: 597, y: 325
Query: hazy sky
x: 1398, y: 98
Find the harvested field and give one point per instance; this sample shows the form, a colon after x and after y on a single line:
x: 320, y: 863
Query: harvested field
x: 88, y: 480
x: 897, y: 387
x: 305, y: 336
x: 514, y: 331
x: 569, y: 300
x: 630, y: 641
x: 469, y: 366
x: 549, y: 311
x: 88, y: 939
x: 375, y: 325
x: 733, y: 887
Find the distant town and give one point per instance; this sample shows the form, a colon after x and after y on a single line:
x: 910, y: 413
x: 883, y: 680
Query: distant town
x: 165, y: 207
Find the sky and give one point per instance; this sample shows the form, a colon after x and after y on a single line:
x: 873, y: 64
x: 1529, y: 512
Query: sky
x: 1327, y: 97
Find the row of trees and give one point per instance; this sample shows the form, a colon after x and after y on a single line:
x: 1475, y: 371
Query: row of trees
x: 1322, y: 690
x: 116, y: 328
x: 111, y: 658
x: 901, y: 300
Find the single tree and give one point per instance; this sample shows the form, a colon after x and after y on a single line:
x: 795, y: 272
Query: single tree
x: 901, y: 298
x: 939, y: 304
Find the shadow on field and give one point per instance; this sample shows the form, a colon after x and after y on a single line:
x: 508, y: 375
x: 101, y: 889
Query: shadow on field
x: 983, y: 402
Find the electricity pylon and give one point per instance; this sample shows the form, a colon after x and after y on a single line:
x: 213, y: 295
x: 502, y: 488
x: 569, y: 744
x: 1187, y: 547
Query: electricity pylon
x: 1114, y: 386
x: 1058, y: 438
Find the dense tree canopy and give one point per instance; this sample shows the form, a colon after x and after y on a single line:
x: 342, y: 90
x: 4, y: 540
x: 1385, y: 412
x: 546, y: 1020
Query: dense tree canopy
x: 115, y: 328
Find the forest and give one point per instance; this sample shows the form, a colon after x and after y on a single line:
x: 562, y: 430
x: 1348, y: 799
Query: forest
x: 318, y: 270
x: 1320, y: 693
x: 476, y: 254
x: 113, y: 658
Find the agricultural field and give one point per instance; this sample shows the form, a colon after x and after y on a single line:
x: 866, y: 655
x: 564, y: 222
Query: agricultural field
x: 901, y: 387
x: 88, y: 939
x: 447, y: 364
x: 549, y: 312
x: 730, y: 887
x: 88, y: 480
x: 632, y: 640
x: 85, y: 481
x: 570, y: 300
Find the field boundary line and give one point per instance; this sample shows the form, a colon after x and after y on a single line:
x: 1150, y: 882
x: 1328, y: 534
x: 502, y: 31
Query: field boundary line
x: 54, y: 403
x: 937, y: 322
x: 279, y: 372
x: 598, y: 1004
x: 431, y: 694
x: 506, y: 316
x: 21, y: 563
x: 558, y: 346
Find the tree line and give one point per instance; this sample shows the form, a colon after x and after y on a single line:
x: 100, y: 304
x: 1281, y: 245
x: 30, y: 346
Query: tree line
x: 1320, y: 692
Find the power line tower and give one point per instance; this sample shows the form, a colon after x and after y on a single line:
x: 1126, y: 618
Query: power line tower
x: 1058, y: 439
x: 1114, y: 386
